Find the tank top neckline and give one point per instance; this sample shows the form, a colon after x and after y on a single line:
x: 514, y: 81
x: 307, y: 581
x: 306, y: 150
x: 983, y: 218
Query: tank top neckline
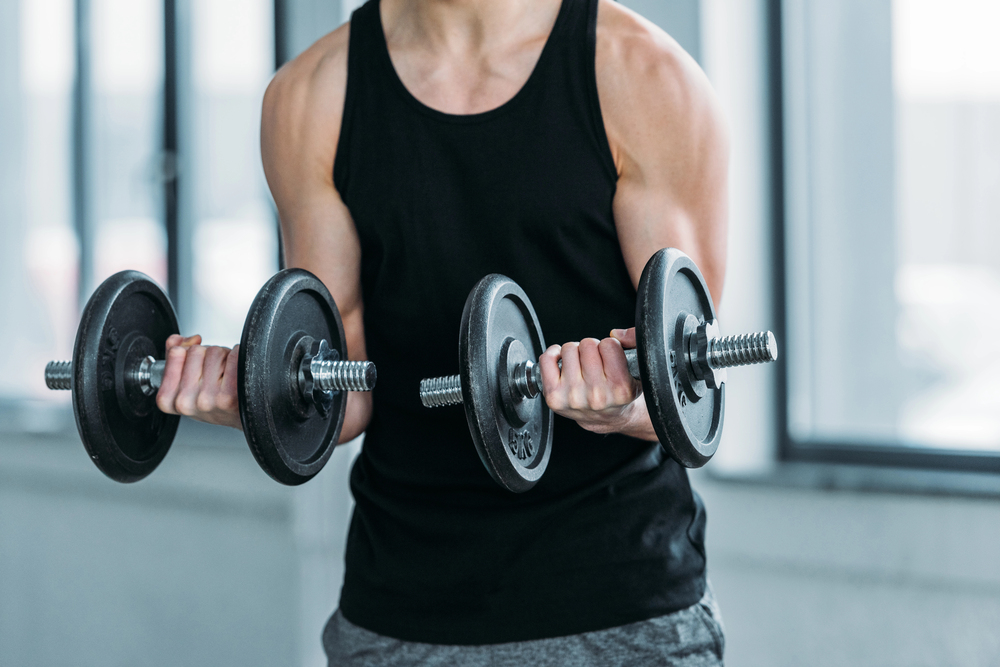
x: 481, y: 116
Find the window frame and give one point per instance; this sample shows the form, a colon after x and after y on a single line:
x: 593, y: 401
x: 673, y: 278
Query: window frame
x: 790, y: 449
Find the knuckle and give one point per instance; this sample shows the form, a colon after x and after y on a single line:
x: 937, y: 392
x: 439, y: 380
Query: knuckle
x: 205, y: 402
x: 226, y: 401
x: 186, y: 402
x: 577, y: 399
x: 623, y: 394
x: 164, y: 404
x: 185, y: 406
x: 597, y: 399
x: 556, y: 401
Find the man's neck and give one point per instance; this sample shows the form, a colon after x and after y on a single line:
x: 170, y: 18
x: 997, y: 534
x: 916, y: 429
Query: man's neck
x: 463, y: 27
x: 466, y: 56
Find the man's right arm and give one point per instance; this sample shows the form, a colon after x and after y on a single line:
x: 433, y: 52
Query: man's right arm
x: 300, y: 127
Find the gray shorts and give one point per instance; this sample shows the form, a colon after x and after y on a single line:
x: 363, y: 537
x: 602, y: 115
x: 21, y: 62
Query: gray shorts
x: 691, y: 637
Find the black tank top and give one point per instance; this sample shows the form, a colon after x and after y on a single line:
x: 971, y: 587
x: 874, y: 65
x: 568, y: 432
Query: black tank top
x: 437, y: 551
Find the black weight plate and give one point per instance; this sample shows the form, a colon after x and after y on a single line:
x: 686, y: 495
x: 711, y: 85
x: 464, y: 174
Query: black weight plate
x: 672, y: 286
x: 126, y: 318
x: 289, y: 438
x: 515, y: 454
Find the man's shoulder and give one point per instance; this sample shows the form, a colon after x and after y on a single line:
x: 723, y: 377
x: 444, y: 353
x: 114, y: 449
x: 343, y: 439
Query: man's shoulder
x: 639, y: 63
x: 655, y: 98
x: 313, y: 82
x: 301, y: 115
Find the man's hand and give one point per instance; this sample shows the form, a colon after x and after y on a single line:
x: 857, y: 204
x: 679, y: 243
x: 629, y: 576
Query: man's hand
x: 200, y: 382
x: 594, y: 387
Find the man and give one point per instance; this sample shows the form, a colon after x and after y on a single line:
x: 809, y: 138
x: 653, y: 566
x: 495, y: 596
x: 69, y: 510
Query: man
x: 411, y: 152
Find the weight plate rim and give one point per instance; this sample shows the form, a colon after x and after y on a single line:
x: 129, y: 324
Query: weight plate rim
x: 266, y: 307
x: 653, y: 357
x: 91, y: 419
x: 480, y: 399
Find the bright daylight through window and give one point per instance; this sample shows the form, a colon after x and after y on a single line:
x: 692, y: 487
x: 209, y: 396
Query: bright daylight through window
x: 892, y: 232
x: 84, y: 112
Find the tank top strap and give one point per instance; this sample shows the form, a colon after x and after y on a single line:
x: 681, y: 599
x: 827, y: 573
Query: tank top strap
x: 575, y: 37
x: 361, y: 49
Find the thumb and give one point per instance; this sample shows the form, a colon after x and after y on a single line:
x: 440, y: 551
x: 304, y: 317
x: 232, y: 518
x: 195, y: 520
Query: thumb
x: 624, y: 336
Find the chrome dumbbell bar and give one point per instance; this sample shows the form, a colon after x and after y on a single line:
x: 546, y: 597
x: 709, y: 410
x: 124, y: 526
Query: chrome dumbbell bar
x: 708, y: 355
x: 326, y: 375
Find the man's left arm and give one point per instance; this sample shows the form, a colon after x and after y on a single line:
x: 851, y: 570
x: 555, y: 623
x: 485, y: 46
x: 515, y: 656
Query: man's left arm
x: 671, y: 151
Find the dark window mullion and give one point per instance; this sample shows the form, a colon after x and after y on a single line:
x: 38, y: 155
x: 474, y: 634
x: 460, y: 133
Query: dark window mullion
x: 82, y: 217
x: 169, y: 161
x: 280, y: 8
x: 776, y: 129
x: 280, y: 38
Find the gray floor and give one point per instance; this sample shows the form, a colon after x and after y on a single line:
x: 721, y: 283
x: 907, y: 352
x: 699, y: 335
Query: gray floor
x: 813, y: 577
x: 208, y: 562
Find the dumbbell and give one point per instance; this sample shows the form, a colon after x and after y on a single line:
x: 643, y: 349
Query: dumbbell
x: 292, y: 376
x: 680, y: 358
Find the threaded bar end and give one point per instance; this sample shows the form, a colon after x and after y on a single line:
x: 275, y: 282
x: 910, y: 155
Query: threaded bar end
x: 59, y: 375
x: 438, y: 392
x: 743, y: 350
x: 344, y: 375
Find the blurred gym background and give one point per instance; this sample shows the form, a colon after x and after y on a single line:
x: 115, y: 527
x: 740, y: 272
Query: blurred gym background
x: 855, y: 501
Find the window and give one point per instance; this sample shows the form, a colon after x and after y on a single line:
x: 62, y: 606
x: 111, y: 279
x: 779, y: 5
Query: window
x: 234, y: 241
x: 130, y: 135
x: 122, y: 122
x: 39, y: 249
x: 891, y: 231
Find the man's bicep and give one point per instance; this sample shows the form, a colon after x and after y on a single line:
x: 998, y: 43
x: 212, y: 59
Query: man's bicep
x: 300, y: 126
x: 679, y: 202
x: 318, y: 233
x: 669, y: 143
x: 319, y: 236
x: 317, y: 230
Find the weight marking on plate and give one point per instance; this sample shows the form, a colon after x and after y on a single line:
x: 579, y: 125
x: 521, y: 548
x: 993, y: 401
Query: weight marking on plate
x: 520, y: 444
x: 109, y: 352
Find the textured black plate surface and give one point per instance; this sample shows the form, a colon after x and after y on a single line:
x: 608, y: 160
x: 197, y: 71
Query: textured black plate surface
x: 289, y: 438
x: 496, y: 313
x: 127, y: 318
x: 689, y: 426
